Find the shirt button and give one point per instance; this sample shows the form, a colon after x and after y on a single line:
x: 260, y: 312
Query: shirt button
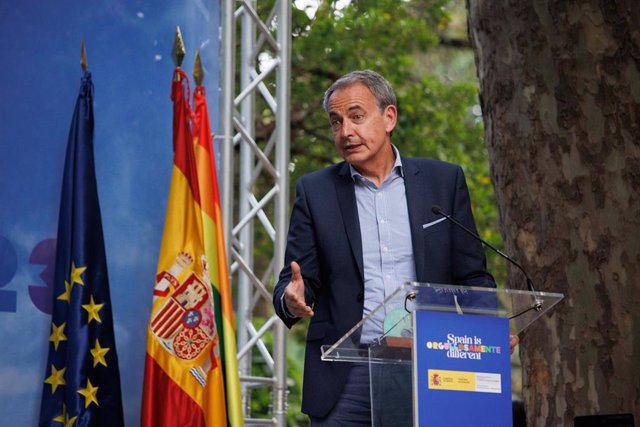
x: 360, y: 297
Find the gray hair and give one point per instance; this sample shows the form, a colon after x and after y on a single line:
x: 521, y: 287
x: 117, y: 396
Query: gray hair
x: 378, y: 85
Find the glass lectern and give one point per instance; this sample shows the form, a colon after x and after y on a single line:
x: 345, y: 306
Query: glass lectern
x: 420, y: 364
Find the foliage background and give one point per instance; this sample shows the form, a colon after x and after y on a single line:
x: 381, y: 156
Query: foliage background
x: 410, y: 43
x: 423, y: 50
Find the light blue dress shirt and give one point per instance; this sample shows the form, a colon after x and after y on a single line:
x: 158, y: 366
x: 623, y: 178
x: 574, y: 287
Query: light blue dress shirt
x: 386, y: 242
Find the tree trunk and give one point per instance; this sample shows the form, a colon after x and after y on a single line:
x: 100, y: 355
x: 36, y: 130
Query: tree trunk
x: 560, y: 94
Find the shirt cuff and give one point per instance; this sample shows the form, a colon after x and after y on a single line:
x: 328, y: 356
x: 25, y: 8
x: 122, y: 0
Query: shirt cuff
x: 284, y: 308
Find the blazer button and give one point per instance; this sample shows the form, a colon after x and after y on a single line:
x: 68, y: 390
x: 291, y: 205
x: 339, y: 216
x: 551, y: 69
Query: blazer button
x: 360, y: 297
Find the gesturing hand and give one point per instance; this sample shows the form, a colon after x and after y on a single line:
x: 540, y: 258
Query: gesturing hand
x: 513, y: 342
x: 294, y: 294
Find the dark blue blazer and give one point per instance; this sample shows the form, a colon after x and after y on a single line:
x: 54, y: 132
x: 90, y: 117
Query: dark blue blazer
x: 324, y: 239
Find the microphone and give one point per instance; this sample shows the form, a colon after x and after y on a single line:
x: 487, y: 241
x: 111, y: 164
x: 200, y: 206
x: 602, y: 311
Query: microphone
x: 537, y: 304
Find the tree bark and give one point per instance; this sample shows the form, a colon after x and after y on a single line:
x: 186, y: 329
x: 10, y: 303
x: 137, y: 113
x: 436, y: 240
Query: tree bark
x: 560, y: 95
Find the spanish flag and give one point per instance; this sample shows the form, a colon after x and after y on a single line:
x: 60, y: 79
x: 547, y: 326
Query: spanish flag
x: 183, y: 378
x: 215, y: 250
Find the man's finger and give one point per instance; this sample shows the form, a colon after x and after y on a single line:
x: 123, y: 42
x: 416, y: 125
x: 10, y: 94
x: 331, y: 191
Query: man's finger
x: 303, y: 311
x: 298, y: 307
x: 296, y: 274
x: 513, y: 342
x: 294, y: 294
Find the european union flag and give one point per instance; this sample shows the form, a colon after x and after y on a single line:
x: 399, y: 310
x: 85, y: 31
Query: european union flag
x: 82, y: 380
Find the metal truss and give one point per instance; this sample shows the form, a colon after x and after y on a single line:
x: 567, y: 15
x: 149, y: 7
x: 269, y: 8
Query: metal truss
x: 254, y: 140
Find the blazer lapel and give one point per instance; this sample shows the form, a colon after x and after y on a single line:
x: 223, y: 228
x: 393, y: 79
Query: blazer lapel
x: 415, y: 186
x: 349, y: 209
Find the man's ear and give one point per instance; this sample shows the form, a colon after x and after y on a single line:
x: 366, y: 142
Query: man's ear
x: 391, y: 118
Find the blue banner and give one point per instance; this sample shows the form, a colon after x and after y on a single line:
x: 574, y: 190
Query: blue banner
x: 463, y: 370
x: 129, y: 47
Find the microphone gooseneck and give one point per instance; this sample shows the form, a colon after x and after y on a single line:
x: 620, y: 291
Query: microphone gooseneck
x: 537, y: 304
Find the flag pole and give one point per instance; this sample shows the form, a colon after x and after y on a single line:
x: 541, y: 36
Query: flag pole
x: 198, y: 71
x: 178, y: 51
x: 83, y: 57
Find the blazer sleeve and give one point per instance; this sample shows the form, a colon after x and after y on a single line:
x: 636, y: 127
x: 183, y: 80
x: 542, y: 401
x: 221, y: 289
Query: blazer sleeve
x: 301, y: 247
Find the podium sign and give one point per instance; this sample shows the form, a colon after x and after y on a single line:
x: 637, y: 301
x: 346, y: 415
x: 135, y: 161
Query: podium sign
x: 462, y: 370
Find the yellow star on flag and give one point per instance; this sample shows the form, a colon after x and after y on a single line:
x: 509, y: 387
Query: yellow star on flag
x: 98, y: 354
x: 57, y: 334
x: 66, y: 295
x: 56, y: 379
x: 93, y: 309
x: 75, y: 274
x: 89, y: 393
x: 64, y: 417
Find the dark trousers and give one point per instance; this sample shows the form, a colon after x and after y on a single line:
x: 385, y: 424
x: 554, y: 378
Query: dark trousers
x: 353, y: 408
x: 392, y: 401
x: 391, y: 390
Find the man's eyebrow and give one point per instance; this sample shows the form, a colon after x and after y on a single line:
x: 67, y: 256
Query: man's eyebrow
x: 350, y: 109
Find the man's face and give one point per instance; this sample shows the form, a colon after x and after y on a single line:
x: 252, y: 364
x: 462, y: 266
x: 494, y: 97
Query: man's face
x: 360, y: 130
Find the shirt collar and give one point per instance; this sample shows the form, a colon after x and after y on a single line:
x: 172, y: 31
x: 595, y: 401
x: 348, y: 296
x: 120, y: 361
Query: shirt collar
x: 397, y: 166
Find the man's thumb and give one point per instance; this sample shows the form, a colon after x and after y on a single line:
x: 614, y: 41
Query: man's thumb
x: 295, y: 271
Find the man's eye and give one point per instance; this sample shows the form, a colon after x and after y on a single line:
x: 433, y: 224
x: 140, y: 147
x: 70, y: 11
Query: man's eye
x: 358, y: 117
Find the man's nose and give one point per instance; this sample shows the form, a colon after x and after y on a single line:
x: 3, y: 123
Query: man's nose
x: 347, y: 128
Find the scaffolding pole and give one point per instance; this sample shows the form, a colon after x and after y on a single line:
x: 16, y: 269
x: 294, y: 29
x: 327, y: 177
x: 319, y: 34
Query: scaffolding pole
x: 254, y: 144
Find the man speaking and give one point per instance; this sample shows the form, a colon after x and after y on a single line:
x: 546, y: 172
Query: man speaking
x: 358, y: 230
